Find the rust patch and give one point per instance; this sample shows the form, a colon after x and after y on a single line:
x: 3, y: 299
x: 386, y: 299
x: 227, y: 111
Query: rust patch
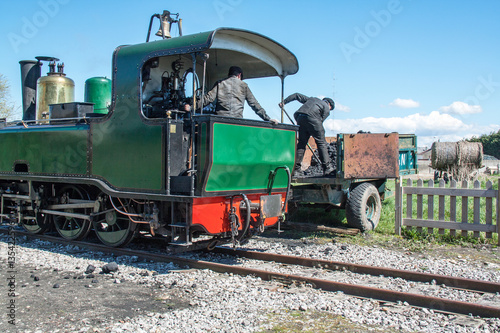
x: 369, y: 155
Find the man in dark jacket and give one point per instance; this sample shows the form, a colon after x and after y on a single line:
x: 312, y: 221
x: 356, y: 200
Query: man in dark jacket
x: 230, y: 95
x: 310, y: 117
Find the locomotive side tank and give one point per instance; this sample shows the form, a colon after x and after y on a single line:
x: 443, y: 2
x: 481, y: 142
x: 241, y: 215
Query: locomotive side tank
x: 148, y: 167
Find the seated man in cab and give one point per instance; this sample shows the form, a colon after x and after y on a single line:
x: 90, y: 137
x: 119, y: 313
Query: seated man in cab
x: 230, y: 95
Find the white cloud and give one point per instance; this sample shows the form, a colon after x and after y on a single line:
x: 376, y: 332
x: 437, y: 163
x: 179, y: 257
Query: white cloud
x: 460, y: 108
x: 343, y: 108
x: 404, y: 103
x: 428, y: 127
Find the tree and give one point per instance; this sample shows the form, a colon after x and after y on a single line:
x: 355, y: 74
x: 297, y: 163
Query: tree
x: 491, y: 143
x: 7, y: 108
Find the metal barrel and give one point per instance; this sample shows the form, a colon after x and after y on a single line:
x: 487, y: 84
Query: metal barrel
x: 55, y: 88
x: 31, y: 70
x: 98, y: 91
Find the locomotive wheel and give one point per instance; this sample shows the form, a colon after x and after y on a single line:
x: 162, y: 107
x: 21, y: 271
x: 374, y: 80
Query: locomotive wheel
x: 70, y: 227
x: 38, y: 225
x: 113, y: 228
x: 363, y: 207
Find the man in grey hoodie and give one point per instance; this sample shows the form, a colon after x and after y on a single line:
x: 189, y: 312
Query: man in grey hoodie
x: 230, y: 95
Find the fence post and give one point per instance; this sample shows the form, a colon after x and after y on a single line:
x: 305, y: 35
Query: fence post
x: 498, y: 213
x: 430, y: 206
x: 477, y: 208
x: 465, y: 208
x: 420, y: 208
x: 398, y: 207
x: 409, y: 202
x: 453, y: 207
x: 441, y: 204
x: 488, y: 216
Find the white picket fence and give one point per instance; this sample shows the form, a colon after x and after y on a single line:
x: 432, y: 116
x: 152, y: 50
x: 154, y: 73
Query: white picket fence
x: 447, y: 209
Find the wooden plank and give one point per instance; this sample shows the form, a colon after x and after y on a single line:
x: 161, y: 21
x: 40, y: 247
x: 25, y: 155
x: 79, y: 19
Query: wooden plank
x: 409, y: 200
x: 465, y: 208
x: 420, y: 184
x: 430, y: 206
x: 498, y: 212
x: 398, y: 214
x: 449, y: 192
x: 314, y: 227
x: 488, y: 215
x: 449, y: 225
x: 477, y: 209
x: 453, y: 206
x: 441, y: 207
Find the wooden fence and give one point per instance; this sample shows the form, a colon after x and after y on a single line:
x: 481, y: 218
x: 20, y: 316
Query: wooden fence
x: 449, y: 213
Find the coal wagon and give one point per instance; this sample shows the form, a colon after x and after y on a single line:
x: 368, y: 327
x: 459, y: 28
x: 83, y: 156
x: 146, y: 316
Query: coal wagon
x: 364, y: 162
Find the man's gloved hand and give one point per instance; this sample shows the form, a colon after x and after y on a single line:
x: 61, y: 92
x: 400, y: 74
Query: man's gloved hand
x: 274, y: 121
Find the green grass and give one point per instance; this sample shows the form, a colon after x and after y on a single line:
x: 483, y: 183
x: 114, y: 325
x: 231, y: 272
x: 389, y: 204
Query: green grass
x: 411, y: 238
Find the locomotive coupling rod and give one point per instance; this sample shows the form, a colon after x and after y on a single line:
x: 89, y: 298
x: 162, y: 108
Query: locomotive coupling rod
x: 308, y: 145
x: 73, y: 215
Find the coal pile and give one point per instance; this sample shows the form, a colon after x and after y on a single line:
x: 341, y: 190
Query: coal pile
x: 316, y: 169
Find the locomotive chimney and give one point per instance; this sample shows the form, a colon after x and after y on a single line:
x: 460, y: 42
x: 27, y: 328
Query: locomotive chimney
x: 31, y: 70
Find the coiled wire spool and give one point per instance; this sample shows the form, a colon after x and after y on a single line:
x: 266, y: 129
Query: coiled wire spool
x: 451, y: 155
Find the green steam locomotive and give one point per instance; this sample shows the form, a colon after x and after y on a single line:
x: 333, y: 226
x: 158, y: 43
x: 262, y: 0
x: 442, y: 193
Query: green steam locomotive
x: 142, y: 165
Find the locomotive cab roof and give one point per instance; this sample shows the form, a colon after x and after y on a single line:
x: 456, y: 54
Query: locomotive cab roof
x: 257, y: 55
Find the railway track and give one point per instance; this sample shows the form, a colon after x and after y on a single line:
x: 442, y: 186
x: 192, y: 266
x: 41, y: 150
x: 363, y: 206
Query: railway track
x: 418, y: 300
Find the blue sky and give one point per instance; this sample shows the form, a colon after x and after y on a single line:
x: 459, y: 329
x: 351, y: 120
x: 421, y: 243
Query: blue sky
x: 425, y: 67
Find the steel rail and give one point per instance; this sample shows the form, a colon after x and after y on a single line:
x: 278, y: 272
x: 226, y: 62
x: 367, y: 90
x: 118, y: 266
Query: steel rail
x: 450, y: 281
x: 435, y: 303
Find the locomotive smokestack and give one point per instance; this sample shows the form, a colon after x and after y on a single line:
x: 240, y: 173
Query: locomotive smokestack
x: 31, y: 70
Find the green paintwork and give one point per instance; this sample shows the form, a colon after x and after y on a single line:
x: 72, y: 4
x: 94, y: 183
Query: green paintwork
x: 98, y: 91
x: 46, y: 149
x: 408, y: 154
x: 183, y: 44
x: 243, y: 157
x: 114, y: 237
x: 127, y: 152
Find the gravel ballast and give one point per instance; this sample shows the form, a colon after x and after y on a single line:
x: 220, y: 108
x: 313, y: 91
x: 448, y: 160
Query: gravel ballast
x: 102, y: 293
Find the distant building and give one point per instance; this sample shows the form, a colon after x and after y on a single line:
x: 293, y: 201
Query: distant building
x: 491, y: 164
x: 424, y: 160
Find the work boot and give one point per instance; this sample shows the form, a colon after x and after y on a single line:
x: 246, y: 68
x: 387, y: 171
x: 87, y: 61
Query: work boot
x: 328, y: 169
x: 297, y: 170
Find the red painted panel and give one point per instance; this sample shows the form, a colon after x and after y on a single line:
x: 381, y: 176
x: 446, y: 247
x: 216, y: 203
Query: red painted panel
x: 213, y: 212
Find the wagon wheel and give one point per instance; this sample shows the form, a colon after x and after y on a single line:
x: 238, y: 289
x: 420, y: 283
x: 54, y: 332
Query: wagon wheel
x: 112, y: 228
x: 38, y: 225
x: 72, y: 228
x: 363, y: 207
